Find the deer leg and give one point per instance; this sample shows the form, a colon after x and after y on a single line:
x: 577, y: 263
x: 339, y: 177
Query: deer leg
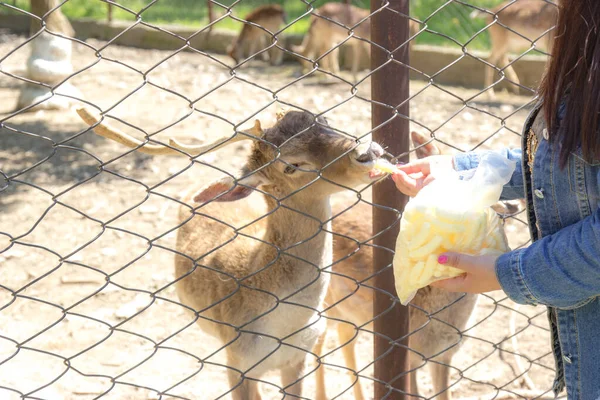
x: 498, y: 52
x: 334, y: 58
x: 264, y: 43
x: 239, y: 52
x: 321, y: 393
x: 311, y: 54
x: 291, y: 380
x: 247, y: 390
x: 489, y: 78
x: 355, y: 60
x: 511, y: 75
x: 414, y: 365
x: 346, y: 334
x: 253, y: 44
x: 440, y: 376
x: 490, y: 72
x: 276, y: 55
x: 325, y: 61
x: 307, y: 50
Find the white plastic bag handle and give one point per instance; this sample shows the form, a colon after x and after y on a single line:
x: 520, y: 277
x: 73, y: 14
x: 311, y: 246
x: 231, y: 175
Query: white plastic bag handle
x: 493, y: 172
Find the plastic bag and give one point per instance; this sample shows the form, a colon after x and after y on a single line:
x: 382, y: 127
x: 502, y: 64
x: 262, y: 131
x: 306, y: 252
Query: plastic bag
x: 452, y: 213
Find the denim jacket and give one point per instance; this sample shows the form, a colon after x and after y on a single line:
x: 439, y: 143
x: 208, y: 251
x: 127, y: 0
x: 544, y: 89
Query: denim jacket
x: 561, y: 268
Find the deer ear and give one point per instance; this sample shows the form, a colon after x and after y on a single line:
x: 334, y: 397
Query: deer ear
x: 226, y: 189
x: 430, y: 149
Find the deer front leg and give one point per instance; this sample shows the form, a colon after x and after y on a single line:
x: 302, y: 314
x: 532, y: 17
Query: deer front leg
x: 440, y: 375
x: 252, y: 47
x: 291, y: 380
x: 276, y: 56
x: 264, y: 43
x: 498, y: 52
x: 356, y: 50
x: 415, y: 363
x: 510, y: 73
x: 246, y: 390
x: 334, y: 60
x: 346, y: 333
x: 321, y: 393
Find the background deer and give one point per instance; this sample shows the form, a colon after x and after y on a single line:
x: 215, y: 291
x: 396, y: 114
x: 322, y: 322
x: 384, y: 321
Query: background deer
x: 270, y: 17
x: 251, y: 265
x: 436, y: 316
x: 533, y: 19
x: 324, y: 35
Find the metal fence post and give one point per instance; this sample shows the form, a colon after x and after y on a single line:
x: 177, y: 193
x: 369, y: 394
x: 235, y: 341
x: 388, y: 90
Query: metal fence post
x: 211, y: 14
x: 389, y: 86
x: 109, y: 15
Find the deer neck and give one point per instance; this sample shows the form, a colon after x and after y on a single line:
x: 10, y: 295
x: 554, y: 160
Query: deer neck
x: 298, y: 227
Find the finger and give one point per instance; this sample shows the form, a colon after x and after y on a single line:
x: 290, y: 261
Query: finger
x: 457, y: 260
x: 406, y: 184
x: 428, y: 179
x: 415, y: 166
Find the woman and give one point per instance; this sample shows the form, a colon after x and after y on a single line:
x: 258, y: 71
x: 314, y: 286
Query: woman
x: 559, y: 174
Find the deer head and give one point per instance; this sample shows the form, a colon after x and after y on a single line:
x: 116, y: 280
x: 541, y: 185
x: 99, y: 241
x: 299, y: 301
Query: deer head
x: 301, y: 155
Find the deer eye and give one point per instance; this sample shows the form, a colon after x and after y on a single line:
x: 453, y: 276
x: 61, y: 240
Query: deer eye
x: 290, y: 169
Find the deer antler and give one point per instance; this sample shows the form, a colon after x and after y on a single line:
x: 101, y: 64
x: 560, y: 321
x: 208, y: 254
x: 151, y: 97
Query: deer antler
x: 153, y: 149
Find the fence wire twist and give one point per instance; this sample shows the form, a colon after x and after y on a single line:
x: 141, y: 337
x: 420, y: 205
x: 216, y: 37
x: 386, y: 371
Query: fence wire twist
x: 92, y: 323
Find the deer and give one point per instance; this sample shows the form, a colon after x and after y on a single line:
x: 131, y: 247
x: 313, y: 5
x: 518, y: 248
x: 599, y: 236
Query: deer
x: 324, y: 36
x: 437, y: 317
x: 270, y: 17
x: 253, y: 253
x: 532, y: 20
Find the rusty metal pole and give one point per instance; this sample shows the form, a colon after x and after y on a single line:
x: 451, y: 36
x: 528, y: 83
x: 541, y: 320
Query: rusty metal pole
x: 211, y: 14
x: 110, y: 12
x: 389, y: 86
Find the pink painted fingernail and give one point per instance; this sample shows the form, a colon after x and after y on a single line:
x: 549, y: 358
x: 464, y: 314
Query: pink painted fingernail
x: 442, y: 259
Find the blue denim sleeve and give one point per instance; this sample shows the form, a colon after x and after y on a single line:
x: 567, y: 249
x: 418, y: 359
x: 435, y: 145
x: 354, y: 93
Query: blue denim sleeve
x: 515, y: 188
x: 560, y: 270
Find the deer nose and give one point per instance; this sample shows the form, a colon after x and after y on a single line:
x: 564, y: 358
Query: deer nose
x: 373, y: 152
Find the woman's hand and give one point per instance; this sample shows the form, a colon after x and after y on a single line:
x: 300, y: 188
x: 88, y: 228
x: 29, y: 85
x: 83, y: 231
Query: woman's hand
x: 414, y: 176
x: 480, y: 274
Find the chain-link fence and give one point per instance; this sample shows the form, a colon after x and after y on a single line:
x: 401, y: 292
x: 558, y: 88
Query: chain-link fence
x: 277, y: 264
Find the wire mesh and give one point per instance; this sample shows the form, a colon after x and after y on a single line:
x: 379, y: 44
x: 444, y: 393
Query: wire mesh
x: 90, y: 304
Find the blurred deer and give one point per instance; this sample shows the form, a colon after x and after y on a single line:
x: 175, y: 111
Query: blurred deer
x: 250, y: 262
x: 324, y: 35
x: 270, y: 17
x: 531, y: 20
x: 436, y: 316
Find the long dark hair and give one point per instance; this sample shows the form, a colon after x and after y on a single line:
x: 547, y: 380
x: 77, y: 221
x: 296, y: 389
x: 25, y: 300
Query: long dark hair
x: 575, y: 67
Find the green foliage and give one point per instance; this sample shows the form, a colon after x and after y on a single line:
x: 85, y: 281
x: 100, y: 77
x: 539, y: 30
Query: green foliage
x: 446, y: 18
x: 451, y: 23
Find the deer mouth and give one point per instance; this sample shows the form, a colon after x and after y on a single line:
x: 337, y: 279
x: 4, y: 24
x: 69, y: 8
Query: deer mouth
x: 383, y: 167
x: 375, y: 174
x: 368, y: 165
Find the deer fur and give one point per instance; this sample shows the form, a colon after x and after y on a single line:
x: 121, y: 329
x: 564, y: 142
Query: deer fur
x: 270, y: 17
x: 436, y: 316
x: 533, y: 19
x: 324, y: 36
x: 253, y: 254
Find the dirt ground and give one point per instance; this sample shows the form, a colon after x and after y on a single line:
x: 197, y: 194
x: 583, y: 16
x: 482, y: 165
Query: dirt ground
x: 79, y: 208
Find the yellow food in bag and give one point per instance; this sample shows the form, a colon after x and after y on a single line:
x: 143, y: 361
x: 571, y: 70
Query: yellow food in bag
x: 450, y: 214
